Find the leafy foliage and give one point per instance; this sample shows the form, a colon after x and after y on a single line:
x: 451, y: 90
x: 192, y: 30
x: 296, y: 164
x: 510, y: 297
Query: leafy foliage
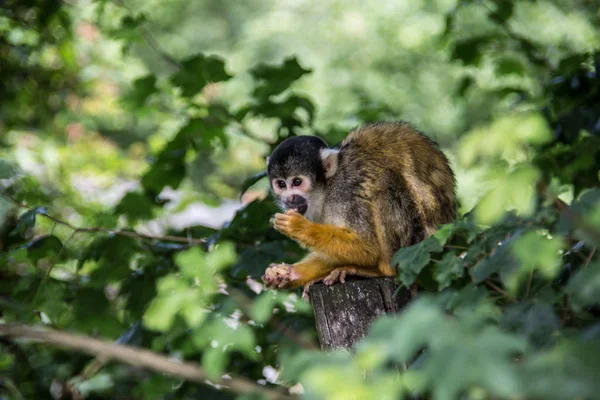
x: 508, y: 294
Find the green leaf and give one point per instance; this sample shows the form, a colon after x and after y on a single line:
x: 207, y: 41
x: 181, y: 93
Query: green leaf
x: 469, y: 51
x: 6, y: 169
x: 27, y: 219
x: 161, y: 312
x: 262, y: 307
x: 503, y: 11
x: 136, y: 206
x: 197, y: 71
x: 535, y: 252
x: 214, y: 362
x: 569, y: 370
x: 462, y: 353
x: 44, y: 246
x: 411, y: 260
x: 219, y: 338
x: 502, y: 261
x: 253, y: 260
x: 448, y: 269
x: 275, y: 79
x: 536, y: 321
x: 251, y: 181
x: 584, y: 287
x: 143, y: 88
x: 515, y: 191
x: 169, y: 167
x: 101, y: 383
x: 510, y: 65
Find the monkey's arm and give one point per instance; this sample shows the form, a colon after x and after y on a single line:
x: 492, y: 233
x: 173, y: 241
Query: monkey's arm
x: 341, y: 246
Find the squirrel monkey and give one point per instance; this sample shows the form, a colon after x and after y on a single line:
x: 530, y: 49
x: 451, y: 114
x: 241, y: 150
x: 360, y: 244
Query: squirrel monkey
x: 386, y: 186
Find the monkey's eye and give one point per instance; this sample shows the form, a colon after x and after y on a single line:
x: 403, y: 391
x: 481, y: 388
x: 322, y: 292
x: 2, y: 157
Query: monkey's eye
x: 281, y: 184
x: 297, y: 182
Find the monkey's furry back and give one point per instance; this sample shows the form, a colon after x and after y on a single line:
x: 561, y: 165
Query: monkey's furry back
x: 396, y: 178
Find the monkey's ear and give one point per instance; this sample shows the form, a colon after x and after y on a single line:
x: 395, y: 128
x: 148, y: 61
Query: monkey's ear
x: 267, y: 159
x: 330, y: 161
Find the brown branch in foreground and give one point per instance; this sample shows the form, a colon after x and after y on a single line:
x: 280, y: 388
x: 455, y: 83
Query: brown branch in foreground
x: 136, y: 357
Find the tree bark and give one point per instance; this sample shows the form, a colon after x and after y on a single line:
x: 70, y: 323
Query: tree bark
x: 344, y: 311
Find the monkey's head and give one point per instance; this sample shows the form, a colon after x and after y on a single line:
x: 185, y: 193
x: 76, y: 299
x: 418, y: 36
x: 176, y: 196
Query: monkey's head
x: 298, y: 171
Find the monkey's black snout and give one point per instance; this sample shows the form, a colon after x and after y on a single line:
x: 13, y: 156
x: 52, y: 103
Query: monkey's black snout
x: 296, y: 203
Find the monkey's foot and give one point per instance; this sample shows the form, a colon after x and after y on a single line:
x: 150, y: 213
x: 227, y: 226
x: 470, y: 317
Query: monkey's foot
x: 305, y: 295
x: 339, y: 275
x: 279, y: 275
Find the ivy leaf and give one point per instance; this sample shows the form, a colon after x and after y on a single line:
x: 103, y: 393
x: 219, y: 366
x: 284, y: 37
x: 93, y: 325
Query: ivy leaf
x: 411, y: 260
x: 275, y: 79
x: 197, y: 71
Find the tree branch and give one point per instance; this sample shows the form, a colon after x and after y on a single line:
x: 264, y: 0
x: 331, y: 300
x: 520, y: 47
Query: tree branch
x: 137, y: 357
x: 77, y: 229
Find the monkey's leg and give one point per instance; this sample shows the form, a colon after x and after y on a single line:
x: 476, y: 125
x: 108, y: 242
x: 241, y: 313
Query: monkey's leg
x: 340, y: 246
x: 303, y: 273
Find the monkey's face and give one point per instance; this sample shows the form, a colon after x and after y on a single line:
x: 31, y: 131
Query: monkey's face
x: 292, y: 193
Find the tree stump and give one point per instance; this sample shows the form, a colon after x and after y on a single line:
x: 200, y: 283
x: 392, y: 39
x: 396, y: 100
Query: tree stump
x: 344, y: 311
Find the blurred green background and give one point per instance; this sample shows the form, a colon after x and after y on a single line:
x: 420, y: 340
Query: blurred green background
x: 154, y: 117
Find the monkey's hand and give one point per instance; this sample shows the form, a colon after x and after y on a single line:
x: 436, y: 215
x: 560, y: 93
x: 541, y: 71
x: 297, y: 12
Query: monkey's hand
x: 279, y: 275
x: 291, y: 224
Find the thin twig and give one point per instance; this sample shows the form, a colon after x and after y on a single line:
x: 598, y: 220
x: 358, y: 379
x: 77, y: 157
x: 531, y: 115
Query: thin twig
x: 151, y: 41
x: 496, y: 288
x: 166, y: 238
x: 589, y: 257
x: 136, y: 357
x: 452, y: 246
